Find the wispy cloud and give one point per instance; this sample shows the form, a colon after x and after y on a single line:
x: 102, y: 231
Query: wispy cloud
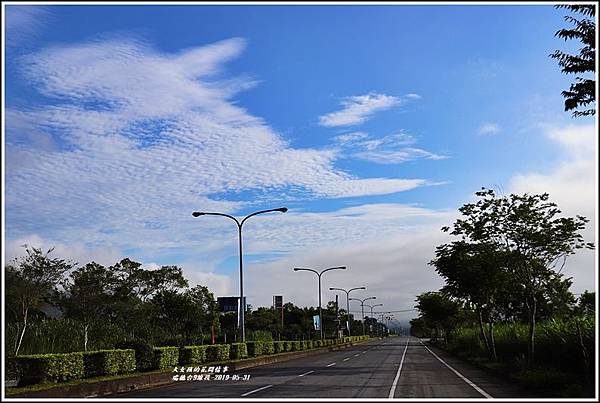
x: 489, y: 128
x: 137, y: 138
x: 391, y: 149
x: 357, y: 109
x: 24, y: 22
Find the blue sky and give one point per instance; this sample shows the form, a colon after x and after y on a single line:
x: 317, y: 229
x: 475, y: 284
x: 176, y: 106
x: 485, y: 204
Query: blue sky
x: 372, y: 124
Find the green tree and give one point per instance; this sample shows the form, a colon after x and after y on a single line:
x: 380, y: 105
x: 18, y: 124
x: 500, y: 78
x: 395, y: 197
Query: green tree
x: 88, y: 296
x: 475, y: 274
x: 439, y: 312
x: 586, y: 304
x: 533, y: 236
x: 582, y: 92
x: 32, y: 283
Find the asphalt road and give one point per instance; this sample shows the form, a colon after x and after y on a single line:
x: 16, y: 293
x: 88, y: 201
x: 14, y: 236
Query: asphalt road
x: 397, y: 367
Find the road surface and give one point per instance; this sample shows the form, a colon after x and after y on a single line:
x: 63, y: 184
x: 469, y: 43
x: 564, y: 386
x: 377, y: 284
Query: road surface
x: 396, y: 367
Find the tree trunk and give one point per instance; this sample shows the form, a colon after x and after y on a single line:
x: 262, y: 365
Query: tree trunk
x: 85, y: 337
x: 531, y: 341
x: 482, y: 331
x: 23, y: 332
x: 584, y: 353
x: 492, y: 341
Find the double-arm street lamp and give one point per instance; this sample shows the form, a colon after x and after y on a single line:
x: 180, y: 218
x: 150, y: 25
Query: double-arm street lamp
x: 240, y: 224
x: 319, y: 274
x: 362, y: 308
x: 373, y: 306
x: 348, y: 303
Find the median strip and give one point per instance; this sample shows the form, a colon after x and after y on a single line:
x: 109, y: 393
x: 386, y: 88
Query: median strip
x: 256, y: 390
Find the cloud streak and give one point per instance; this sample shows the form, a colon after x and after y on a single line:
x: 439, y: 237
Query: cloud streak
x: 357, y: 109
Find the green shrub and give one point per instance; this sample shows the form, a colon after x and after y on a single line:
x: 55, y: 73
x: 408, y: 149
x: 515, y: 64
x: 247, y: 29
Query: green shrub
x: 279, y: 347
x: 268, y: 347
x: 165, y: 357
x: 50, y: 368
x: 217, y: 352
x: 255, y: 348
x: 296, y: 345
x: 317, y: 343
x: 287, y: 346
x: 144, y: 353
x: 108, y: 362
x: 259, y: 335
x: 192, y: 355
x: 238, y: 351
x: 309, y: 344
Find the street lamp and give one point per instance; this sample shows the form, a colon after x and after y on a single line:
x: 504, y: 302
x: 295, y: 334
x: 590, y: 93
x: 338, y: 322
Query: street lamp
x: 348, y: 303
x: 362, y: 308
x: 373, y: 306
x: 319, y: 275
x: 240, y: 224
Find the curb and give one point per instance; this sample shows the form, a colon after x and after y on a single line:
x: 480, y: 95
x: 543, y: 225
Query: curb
x: 147, y: 381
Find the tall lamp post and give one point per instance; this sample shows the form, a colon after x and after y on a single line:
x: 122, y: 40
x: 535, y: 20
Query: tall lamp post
x: 362, y: 308
x: 239, y: 225
x: 373, y: 306
x: 319, y: 274
x: 348, y: 303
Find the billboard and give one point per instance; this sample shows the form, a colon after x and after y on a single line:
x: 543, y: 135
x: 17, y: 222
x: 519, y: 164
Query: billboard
x: 278, y: 301
x: 228, y: 304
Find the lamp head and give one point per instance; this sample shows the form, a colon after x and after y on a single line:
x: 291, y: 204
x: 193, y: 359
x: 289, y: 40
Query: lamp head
x: 197, y: 213
x: 283, y: 209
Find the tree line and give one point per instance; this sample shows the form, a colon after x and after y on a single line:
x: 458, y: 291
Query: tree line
x: 505, y: 267
x: 55, y: 305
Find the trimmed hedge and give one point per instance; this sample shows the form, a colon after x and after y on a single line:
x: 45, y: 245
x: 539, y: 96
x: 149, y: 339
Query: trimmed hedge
x: 287, y: 346
x: 238, y: 351
x: 165, y: 357
x: 143, y: 353
x: 268, y: 347
x: 317, y: 343
x: 192, y: 355
x: 279, y: 347
x: 217, y: 352
x: 296, y: 345
x: 108, y: 362
x: 308, y: 344
x: 255, y: 348
x: 50, y: 368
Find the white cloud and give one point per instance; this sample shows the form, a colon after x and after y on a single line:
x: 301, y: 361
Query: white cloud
x: 489, y: 128
x: 572, y: 184
x: 24, y: 22
x: 358, y: 109
x: 413, y: 96
x: 391, y: 149
x: 141, y: 138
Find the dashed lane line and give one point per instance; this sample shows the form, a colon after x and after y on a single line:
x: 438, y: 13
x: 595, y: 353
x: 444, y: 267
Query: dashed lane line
x: 306, y: 373
x: 332, y: 364
x: 256, y: 390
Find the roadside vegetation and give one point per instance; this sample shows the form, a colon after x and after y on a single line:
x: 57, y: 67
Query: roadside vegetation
x: 506, y: 303
x: 67, y: 321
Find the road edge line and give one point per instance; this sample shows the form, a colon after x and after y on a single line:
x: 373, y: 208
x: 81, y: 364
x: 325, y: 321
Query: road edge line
x: 461, y: 376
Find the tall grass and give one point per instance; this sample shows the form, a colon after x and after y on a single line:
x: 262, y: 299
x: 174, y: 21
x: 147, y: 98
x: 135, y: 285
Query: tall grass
x: 559, y: 344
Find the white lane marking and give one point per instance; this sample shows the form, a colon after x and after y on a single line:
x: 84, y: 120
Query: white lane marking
x: 364, y: 352
x: 477, y: 388
x: 393, y: 389
x: 332, y: 364
x: 256, y: 390
x: 356, y: 355
x: 306, y: 373
x: 346, y: 359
